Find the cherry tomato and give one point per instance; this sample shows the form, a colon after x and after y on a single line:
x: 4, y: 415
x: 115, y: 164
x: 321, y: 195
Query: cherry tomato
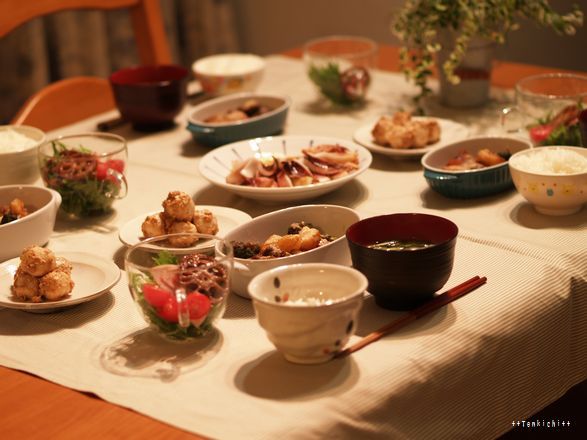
x: 116, y: 164
x: 540, y: 133
x: 198, y: 305
x: 155, y: 295
x: 101, y: 170
x: 169, y: 310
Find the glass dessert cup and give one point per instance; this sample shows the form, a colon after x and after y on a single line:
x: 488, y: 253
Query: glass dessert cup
x: 179, y: 286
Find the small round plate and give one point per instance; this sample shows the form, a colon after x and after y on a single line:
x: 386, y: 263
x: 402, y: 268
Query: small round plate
x: 92, y: 275
x: 450, y: 132
x: 228, y: 219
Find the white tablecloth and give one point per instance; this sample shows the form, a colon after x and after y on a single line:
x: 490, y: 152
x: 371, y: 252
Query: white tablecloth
x: 498, y: 355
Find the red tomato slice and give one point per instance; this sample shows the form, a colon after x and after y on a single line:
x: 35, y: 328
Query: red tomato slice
x: 169, y: 310
x: 116, y: 164
x: 101, y: 170
x: 540, y: 133
x: 155, y: 295
x: 198, y: 305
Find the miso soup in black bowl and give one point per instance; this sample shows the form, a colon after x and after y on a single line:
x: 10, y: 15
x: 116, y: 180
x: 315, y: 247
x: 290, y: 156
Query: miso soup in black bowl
x: 406, y: 257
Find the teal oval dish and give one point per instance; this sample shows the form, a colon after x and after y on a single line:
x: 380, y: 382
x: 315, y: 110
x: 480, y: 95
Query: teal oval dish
x: 221, y: 133
x: 468, y: 184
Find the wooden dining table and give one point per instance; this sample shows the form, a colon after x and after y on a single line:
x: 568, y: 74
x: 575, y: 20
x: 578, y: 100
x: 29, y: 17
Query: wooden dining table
x: 34, y: 408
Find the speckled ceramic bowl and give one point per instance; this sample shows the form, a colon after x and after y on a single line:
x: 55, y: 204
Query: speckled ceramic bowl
x: 214, y: 134
x: 470, y: 183
x: 310, y: 310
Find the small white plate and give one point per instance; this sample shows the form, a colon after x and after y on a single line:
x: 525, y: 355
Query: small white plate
x: 228, y: 219
x: 216, y: 165
x: 450, y: 132
x: 92, y: 275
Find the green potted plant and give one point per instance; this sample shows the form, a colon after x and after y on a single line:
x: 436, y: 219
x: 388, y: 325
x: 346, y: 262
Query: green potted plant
x: 440, y: 32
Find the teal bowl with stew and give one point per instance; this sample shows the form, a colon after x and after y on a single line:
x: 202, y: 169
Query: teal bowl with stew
x: 213, y: 134
x: 473, y: 183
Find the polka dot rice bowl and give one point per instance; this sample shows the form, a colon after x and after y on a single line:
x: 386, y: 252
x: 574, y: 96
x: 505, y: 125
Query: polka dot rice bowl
x: 553, y: 179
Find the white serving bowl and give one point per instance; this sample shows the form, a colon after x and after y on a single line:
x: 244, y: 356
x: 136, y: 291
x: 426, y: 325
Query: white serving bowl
x: 229, y: 73
x: 330, y: 219
x: 550, y: 193
x: 216, y: 165
x: 309, y: 310
x: 21, y: 166
x: 35, y: 228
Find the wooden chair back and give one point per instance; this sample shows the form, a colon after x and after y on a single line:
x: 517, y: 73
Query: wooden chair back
x: 73, y: 99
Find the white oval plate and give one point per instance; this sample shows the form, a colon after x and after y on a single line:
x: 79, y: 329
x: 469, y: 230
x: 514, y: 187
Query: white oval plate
x: 216, y: 165
x: 92, y: 275
x: 450, y: 131
x: 228, y: 219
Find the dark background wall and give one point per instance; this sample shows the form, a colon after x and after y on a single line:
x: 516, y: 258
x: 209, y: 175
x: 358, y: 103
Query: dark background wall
x: 269, y: 26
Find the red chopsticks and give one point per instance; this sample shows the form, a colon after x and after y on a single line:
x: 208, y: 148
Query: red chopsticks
x: 434, y: 304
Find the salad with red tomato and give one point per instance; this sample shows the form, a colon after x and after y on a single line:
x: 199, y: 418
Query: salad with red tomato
x: 560, y: 129
x: 88, y: 184
x: 182, y: 298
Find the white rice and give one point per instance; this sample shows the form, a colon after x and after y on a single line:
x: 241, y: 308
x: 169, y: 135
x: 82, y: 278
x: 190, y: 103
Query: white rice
x: 551, y: 161
x: 12, y: 141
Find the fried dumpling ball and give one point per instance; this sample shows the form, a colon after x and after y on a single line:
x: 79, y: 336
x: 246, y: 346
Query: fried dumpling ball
x: 37, y: 261
x: 179, y: 206
x: 55, y: 285
x: 26, y: 286
x: 153, y: 226
x: 63, y: 265
x: 182, y: 241
x: 205, y: 222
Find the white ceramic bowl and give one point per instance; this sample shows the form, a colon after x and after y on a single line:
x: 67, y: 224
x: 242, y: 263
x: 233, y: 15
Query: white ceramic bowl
x: 330, y: 219
x: 309, y: 311
x: 19, y: 165
x: 216, y: 165
x: 229, y: 73
x: 550, y: 193
x: 35, y: 228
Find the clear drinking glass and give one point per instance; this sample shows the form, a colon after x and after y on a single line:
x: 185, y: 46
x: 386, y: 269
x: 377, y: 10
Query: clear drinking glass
x: 86, y: 169
x: 547, y: 108
x: 179, y: 283
x: 340, y: 66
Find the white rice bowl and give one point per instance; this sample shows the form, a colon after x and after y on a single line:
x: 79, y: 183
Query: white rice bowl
x: 553, y: 179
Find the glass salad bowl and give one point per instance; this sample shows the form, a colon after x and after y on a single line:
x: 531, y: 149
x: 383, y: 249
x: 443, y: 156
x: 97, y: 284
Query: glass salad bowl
x: 87, y: 169
x: 340, y: 67
x: 180, y: 288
